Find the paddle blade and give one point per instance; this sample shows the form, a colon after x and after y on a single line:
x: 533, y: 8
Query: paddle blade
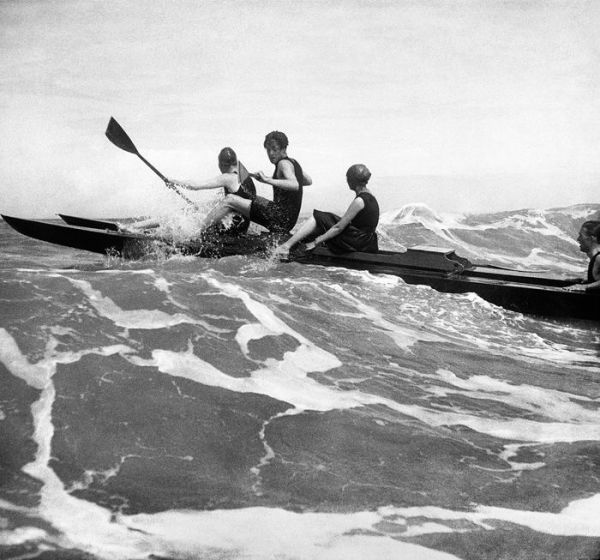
x: 242, y: 171
x: 116, y: 134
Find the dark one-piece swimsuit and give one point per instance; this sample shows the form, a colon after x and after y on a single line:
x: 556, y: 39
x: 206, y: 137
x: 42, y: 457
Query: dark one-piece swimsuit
x: 590, y: 276
x: 280, y: 214
x: 238, y: 224
x: 359, y: 235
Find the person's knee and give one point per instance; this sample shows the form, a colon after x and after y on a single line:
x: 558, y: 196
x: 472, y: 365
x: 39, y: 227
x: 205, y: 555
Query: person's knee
x: 237, y: 204
x: 231, y: 201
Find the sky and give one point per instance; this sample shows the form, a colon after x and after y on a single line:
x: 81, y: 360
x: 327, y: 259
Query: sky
x: 466, y: 106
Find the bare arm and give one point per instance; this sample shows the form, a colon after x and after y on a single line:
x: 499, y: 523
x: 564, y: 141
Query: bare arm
x: 592, y: 286
x: 141, y: 225
x: 288, y: 182
x: 585, y: 286
x: 306, y: 180
x: 226, y: 180
x: 355, y: 207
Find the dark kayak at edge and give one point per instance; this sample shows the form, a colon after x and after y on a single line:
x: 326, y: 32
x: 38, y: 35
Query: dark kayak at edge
x: 518, y: 290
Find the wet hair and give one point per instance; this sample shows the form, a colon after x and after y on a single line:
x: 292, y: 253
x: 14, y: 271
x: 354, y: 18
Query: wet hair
x: 358, y: 175
x: 276, y: 136
x: 227, y: 157
x: 591, y: 228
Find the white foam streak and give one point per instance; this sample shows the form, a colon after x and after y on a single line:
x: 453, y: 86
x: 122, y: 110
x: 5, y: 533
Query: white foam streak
x: 328, y: 536
x: 553, y: 404
x: 517, y: 429
x: 320, y: 536
x: 249, y: 332
x: 511, y: 450
x: 287, y: 380
x: 579, y: 518
x: 501, y: 337
x: 267, y: 318
x: 81, y: 523
x: 133, y: 319
x: 91, y: 528
x: 404, y: 337
x: 10, y: 355
x: 21, y: 535
x: 284, y: 380
x: 283, y: 534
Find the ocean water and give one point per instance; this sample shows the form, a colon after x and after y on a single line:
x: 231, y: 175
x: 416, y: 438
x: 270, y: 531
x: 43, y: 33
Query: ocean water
x: 241, y: 408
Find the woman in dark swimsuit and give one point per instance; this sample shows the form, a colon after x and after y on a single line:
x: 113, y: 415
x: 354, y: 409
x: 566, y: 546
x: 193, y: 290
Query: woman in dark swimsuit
x: 280, y: 214
x: 234, y: 179
x: 354, y: 231
x: 232, y: 182
x: 589, y: 243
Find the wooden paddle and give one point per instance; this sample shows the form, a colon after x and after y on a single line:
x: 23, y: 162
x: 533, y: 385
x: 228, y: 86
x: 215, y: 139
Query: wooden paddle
x: 243, y: 172
x: 116, y: 134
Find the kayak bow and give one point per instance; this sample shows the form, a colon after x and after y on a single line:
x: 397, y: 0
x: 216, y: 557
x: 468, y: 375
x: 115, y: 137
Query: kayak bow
x: 98, y: 240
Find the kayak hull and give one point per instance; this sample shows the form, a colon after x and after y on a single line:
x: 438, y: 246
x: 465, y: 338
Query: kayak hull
x: 96, y: 240
x: 110, y: 241
x: 527, y: 292
x: 522, y: 291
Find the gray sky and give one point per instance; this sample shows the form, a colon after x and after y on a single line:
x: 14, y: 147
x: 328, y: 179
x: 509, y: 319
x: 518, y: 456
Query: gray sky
x: 493, y: 105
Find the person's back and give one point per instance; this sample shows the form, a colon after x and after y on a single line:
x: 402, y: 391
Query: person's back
x: 247, y: 189
x: 368, y: 218
x: 239, y: 223
x: 243, y: 186
x: 289, y: 202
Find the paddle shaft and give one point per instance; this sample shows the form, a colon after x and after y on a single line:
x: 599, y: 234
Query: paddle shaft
x: 118, y: 136
x: 151, y: 166
x: 169, y: 185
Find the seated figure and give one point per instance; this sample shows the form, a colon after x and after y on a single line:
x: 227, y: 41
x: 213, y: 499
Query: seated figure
x: 589, y: 243
x: 354, y: 231
x: 232, y: 183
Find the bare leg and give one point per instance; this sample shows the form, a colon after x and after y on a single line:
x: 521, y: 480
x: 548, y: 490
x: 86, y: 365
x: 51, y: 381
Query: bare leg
x: 231, y: 203
x: 144, y: 224
x: 307, y: 228
x: 215, y: 216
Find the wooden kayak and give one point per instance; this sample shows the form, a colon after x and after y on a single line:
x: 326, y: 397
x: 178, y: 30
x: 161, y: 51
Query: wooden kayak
x: 524, y: 291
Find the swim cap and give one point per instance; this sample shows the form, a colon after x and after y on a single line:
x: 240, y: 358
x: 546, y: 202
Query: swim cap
x: 358, y: 174
x: 277, y: 136
x: 227, y: 157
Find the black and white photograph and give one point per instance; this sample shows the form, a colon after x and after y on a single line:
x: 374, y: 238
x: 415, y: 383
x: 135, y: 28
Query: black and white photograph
x: 300, y: 280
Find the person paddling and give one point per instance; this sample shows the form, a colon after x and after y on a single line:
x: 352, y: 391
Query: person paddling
x: 589, y: 243
x: 354, y: 231
x: 230, y: 181
x: 280, y: 214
